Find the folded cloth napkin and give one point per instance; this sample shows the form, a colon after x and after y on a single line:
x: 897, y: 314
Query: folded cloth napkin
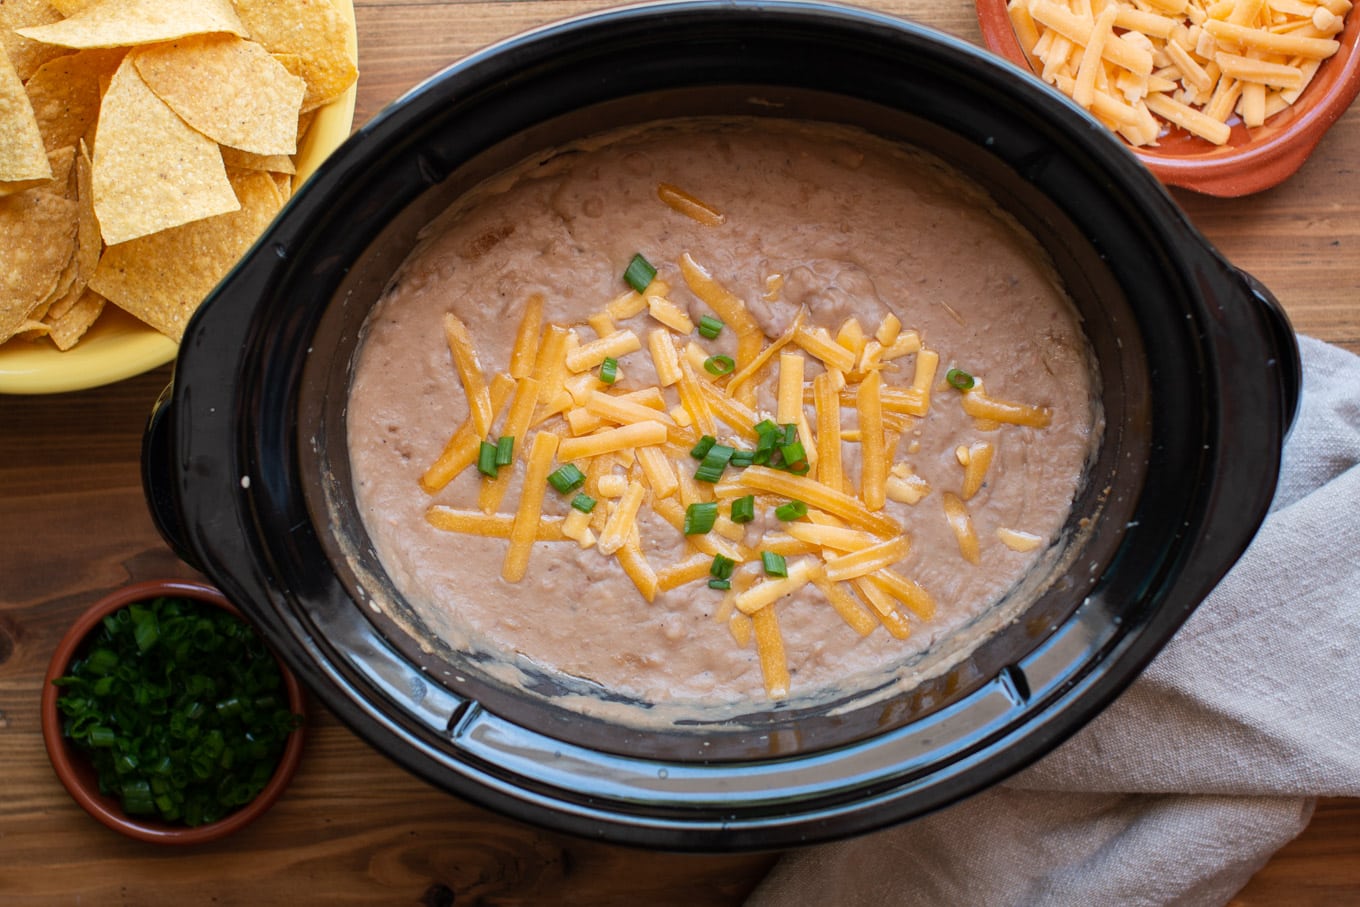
x: 1184, y: 787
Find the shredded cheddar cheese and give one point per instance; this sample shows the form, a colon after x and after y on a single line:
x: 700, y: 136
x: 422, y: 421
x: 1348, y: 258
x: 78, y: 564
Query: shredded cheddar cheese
x: 1141, y: 66
x: 620, y: 450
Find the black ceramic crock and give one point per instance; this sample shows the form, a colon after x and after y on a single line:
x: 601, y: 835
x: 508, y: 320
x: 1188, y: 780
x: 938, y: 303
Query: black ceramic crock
x: 247, y: 474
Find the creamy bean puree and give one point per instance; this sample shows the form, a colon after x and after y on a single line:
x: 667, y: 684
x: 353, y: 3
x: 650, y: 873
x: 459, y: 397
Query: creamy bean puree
x: 869, y: 298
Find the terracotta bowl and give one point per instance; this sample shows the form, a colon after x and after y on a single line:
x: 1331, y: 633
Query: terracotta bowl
x: 1253, y: 159
x: 76, y: 772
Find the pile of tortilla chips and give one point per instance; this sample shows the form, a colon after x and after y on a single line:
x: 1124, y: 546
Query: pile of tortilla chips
x: 144, y: 145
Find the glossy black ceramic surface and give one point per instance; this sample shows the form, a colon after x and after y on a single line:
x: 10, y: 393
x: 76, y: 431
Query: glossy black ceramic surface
x: 248, y: 477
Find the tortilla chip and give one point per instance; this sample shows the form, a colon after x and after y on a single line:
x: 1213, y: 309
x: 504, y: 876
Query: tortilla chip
x: 68, y: 327
x: 162, y: 278
x: 85, y: 258
x: 244, y: 160
x: 284, y: 183
x: 230, y: 90
x: 65, y: 94
x: 26, y: 55
x: 152, y: 171
x: 89, y: 242
x: 305, y: 121
x: 61, y: 160
x: 123, y: 23
x: 37, y: 232
x: 71, y: 7
x: 65, y: 281
x: 310, y: 38
x: 23, y: 157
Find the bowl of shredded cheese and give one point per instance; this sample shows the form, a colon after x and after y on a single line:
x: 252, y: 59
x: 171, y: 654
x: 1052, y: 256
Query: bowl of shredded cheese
x: 1226, y: 98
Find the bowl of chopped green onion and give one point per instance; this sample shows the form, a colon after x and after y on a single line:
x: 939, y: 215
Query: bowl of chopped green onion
x: 167, y: 718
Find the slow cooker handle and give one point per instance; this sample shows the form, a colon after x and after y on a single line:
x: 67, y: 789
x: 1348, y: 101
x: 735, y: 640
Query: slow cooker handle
x: 158, y: 478
x: 1287, y: 362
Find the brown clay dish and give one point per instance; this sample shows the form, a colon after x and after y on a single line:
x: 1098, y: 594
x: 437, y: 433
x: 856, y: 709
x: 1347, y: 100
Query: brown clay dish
x: 78, y: 775
x: 1253, y: 160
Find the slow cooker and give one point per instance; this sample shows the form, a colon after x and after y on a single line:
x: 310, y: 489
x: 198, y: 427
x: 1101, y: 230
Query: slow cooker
x: 248, y: 479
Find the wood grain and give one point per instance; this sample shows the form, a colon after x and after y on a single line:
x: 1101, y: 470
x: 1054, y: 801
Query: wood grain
x: 356, y: 829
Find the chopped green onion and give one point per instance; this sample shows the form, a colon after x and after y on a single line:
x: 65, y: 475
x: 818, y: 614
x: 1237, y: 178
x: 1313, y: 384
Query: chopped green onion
x: 722, y: 567
x: 793, y: 454
x: 700, y: 450
x: 793, y: 510
x: 719, y: 454
x: 486, y: 459
x: 715, y: 461
x: 790, y: 434
x: 609, y: 370
x: 719, y: 365
x: 583, y: 502
x: 769, y: 438
x: 566, y: 478
x: 959, y: 379
x: 187, y: 721
x: 137, y: 798
x: 799, y: 469
x: 710, y: 327
x: 774, y: 563
x: 710, y: 474
x: 639, y: 273
x: 742, y: 458
x: 700, y: 517
x: 744, y: 509
x: 145, y: 629
x: 505, y: 450
x: 720, y: 584
x: 101, y: 661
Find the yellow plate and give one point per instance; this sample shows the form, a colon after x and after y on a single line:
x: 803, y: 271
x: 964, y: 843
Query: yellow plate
x: 119, y: 346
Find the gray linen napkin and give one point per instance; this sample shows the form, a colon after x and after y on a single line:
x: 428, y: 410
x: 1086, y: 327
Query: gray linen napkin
x: 1207, y: 765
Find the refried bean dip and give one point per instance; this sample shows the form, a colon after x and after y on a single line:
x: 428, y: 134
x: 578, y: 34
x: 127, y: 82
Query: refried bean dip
x: 844, y: 417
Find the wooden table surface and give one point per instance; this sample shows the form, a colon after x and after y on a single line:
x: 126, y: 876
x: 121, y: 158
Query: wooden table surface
x: 355, y: 829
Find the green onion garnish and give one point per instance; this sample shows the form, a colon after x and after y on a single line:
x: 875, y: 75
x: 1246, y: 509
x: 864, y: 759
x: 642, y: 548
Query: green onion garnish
x: 790, y: 434
x: 710, y: 474
x: 700, y: 450
x: 744, y: 509
x: 639, y: 273
x: 774, y: 563
x: 486, y: 459
x: 720, y: 584
x: 722, y: 567
x: 959, y: 379
x: 790, y: 511
x: 715, y: 461
x: 742, y: 458
x: 566, y: 478
x: 719, y: 365
x: 505, y: 450
x: 609, y: 370
x: 769, y: 437
x: 700, y: 517
x: 799, y: 469
x: 186, y: 716
x: 145, y: 629
x: 793, y: 454
x: 710, y: 327
x: 583, y: 502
